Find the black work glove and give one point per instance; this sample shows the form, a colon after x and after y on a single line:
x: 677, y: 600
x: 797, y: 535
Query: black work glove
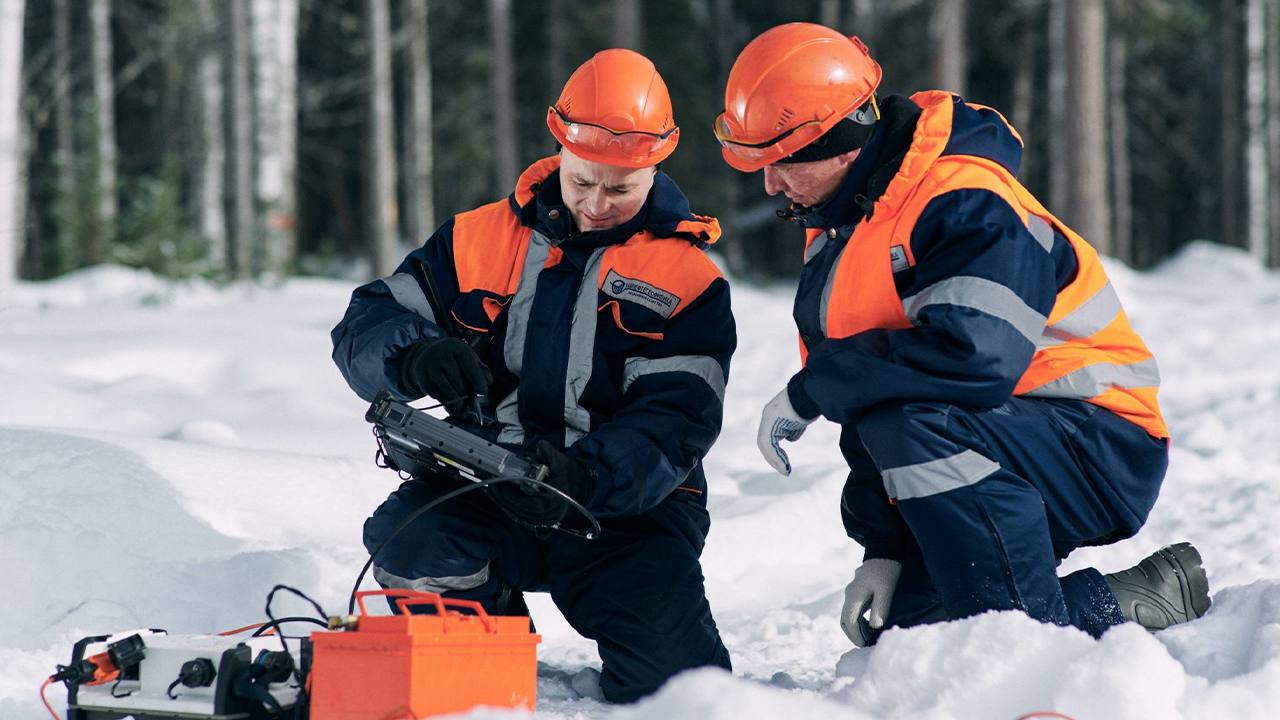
x: 445, y: 368
x: 537, y: 506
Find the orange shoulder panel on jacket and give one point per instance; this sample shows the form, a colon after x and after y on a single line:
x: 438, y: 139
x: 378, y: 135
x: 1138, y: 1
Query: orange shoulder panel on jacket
x: 489, y: 246
x: 669, y: 264
x: 532, y: 176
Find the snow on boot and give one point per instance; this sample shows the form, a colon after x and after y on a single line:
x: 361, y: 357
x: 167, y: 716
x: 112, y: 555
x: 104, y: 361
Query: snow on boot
x: 1167, y: 588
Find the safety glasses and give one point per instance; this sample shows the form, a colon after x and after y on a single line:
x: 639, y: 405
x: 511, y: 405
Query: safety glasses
x: 598, y: 138
x: 790, y: 140
x: 804, y: 133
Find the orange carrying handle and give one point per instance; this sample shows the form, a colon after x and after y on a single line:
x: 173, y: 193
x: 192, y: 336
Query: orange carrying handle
x: 407, y: 598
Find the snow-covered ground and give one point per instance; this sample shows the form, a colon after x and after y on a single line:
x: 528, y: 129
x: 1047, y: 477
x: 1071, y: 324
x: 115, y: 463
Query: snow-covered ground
x: 169, y: 452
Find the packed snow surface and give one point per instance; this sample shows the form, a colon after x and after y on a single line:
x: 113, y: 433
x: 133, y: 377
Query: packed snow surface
x: 170, y: 451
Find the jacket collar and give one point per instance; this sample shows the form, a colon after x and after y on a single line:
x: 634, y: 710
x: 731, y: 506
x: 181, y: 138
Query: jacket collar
x: 870, y: 174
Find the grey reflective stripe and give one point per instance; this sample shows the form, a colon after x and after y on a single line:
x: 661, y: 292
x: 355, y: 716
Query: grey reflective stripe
x: 826, y: 289
x: 937, y: 476
x: 982, y: 295
x: 406, y: 291
x: 582, y: 350
x: 508, y: 414
x: 1093, y: 380
x: 699, y: 365
x: 522, y: 302
x: 1095, y: 314
x: 1041, y: 230
x: 432, y: 584
x: 815, y: 247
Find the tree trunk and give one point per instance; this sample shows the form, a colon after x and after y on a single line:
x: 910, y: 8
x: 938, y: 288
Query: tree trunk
x: 1024, y: 83
x: 104, y: 94
x: 240, y: 109
x: 1257, y: 194
x: 64, y: 152
x: 627, y: 28
x: 1273, y: 129
x: 383, y: 211
x: 557, y: 46
x: 950, y: 48
x: 829, y: 13
x: 1059, y: 175
x: 12, y: 180
x: 1087, y: 122
x: 1232, y: 149
x: 210, y: 176
x: 421, y: 217
x: 506, y: 162
x: 275, y: 51
x: 863, y: 22
x: 726, y: 47
x: 1121, y: 172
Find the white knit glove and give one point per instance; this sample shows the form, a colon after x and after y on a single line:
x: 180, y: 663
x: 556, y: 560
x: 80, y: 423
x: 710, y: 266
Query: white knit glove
x: 873, y: 584
x: 779, y: 421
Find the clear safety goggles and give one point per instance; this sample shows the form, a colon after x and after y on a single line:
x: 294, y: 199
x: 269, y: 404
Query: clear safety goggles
x: 775, y: 148
x: 598, y: 138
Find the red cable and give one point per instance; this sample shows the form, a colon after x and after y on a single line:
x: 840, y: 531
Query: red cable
x: 254, y: 626
x: 44, y: 700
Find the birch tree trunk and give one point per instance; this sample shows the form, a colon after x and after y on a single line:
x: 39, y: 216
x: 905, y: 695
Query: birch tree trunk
x: 104, y: 94
x: 421, y: 215
x: 506, y: 162
x: 627, y: 30
x: 1232, y: 149
x: 557, y: 46
x: 275, y: 51
x: 64, y: 152
x: 1059, y: 175
x: 1273, y: 128
x: 863, y: 22
x: 12, y: 176
x: 951, y: 55
x: 1121, y: 169
x: 1258, y: 195
x: 829, y: 13
x: 726, y: 46
x: 210, y: 96
x: 383, y: 211
x: 240, y: 110
x: 1024, y: 82
x: 1087, y: 122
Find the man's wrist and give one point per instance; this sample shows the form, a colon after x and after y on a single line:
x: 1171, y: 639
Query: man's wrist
x: 801, y: 401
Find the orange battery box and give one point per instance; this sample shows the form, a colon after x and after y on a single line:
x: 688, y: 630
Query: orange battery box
x: 408, y: 666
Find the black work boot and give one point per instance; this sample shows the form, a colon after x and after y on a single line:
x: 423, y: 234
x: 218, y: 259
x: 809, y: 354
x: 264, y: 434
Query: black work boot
x: 1167, y: 588
x: 510, y: 601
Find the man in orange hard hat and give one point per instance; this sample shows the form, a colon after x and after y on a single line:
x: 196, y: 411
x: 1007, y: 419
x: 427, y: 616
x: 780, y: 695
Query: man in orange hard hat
x: 583, y: 314
x: 997, y: 409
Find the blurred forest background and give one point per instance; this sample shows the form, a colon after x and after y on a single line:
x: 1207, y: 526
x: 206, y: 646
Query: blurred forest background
x: 238, y: 139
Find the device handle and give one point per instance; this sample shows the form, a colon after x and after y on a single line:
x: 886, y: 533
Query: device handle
x: 405, y: 598
x: 392, y: 593
x: 442, y: 603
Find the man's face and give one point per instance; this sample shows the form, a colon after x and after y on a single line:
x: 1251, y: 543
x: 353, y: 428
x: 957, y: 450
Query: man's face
x: 601, y: 196
x: 808, y: 184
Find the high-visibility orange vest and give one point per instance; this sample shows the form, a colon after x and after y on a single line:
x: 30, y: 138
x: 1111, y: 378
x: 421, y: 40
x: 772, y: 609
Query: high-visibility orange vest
x: 1088, y: 351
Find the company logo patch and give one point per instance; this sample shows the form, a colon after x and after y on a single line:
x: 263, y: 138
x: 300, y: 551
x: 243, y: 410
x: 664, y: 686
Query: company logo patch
x: 641, y: 293
x: 898, y: 258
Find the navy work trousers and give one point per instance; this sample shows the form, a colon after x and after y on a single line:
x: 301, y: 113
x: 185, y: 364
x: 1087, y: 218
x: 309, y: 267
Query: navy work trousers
x: 993, y: 500
x: 637, y: 590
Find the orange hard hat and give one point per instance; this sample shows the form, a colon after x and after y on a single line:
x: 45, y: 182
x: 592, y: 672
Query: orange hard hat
x: 788, y: 87
x: 615, y: 110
